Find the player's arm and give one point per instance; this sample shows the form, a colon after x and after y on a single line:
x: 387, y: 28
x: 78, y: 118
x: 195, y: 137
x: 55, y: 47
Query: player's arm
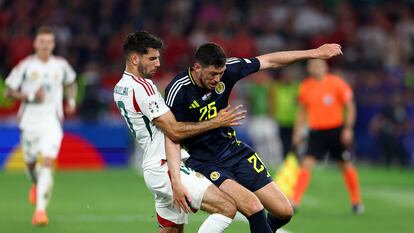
x: 14, y: 82
x: 279, y: 59
x: 15, y: 94
x: 300, y: 124
x: 349, y: 121
x: 179, y: 130
x: 180, y: 194
x: 71, y: 91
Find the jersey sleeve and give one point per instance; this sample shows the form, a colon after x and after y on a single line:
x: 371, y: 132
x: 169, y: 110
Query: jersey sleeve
x: 16, y: 76
x: 152, y: 105
x: 175, y: 99
x: 69, y: 73
x: 344, y: 91
x: 239, y: 68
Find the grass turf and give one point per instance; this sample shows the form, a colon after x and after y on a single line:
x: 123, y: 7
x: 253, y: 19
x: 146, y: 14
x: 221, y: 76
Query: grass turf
x: 118, y: 201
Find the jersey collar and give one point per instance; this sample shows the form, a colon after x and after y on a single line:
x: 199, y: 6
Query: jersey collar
x: 190, y: 76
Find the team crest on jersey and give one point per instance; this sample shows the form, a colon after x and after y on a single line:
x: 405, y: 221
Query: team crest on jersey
x: 153, y: 106
x: 220, y: 88
x: 34, y: 75
x: 199, y: 175
x: 214, y: 176
x: 206, y: 96
x: 327, y: 100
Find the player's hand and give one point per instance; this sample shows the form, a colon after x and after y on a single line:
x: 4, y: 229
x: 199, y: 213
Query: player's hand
x: 230, y: 116
x: 181, y: 198
x: 70, y: 107
x: 327, y: 51
x: 40, y: 95
x: 347, y: 136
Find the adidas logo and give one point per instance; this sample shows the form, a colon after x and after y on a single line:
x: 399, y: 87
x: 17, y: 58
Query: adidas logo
x: 194, y: 105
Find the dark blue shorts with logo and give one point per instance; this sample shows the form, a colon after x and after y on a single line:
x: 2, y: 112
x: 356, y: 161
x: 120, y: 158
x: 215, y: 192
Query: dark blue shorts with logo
x: 245, y: 167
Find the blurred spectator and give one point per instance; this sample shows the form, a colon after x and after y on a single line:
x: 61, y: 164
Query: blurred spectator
x: 261, y: 127
x: 90, y: 93
x: 377, y: 38
x: 390, y: 127
x: 283, y: 105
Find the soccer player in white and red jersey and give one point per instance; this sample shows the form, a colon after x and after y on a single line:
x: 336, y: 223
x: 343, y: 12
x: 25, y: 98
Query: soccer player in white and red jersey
x: 40, y: 81
x: 149, y: 119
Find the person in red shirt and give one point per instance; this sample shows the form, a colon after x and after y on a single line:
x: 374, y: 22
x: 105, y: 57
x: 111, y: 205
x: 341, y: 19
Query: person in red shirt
x: 327, y: 107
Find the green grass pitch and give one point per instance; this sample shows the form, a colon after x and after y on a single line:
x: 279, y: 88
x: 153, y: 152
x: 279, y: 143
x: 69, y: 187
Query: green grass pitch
x: 118, y: 201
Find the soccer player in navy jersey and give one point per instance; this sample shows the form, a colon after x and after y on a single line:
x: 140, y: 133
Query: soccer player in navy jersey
x: 197, y: 94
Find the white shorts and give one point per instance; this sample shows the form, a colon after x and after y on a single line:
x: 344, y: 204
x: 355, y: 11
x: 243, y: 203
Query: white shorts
x: 46, y: 142
x: 159, y: 183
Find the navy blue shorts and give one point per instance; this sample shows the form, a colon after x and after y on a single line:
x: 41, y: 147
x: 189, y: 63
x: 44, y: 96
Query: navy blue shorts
x: 245, y: 167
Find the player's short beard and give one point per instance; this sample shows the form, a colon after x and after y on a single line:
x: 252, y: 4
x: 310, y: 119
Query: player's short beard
x: 141, y: 71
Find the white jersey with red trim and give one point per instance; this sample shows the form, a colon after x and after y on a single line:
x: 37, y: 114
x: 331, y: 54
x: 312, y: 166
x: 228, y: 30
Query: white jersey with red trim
x: 30, y: 75
x: 139, y: 102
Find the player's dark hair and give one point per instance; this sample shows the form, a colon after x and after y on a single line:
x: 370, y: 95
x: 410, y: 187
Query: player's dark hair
x: 44, y: 30
x: 210, y: 54
x: 140, y: 42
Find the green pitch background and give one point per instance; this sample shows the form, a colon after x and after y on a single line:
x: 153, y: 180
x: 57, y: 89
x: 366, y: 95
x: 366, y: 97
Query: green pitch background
x: 118, y: 201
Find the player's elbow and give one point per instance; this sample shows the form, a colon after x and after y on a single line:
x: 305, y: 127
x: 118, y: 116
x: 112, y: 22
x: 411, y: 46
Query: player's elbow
x: 174, y: 136
x: 178, y: 137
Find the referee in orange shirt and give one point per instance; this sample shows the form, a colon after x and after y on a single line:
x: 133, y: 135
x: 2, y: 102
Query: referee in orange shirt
x: 326, y: 106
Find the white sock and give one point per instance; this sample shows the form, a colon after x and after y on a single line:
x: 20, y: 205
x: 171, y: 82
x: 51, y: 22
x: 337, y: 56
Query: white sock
x: 44, y: 188
x: 215, y: 223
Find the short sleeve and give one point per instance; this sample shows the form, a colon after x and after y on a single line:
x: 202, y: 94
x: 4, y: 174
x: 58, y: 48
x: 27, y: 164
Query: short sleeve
x: 68, y: 73
x: 239, y: 68
x: 16, y: 77
x: 344, y: 91
x: 153, y: 105
x: 175, y: 99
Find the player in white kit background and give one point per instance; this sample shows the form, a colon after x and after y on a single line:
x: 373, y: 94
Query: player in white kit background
x: 40, y: 82
x: 148, y: 118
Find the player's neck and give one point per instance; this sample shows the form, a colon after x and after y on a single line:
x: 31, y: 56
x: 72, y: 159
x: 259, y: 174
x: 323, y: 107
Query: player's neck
x: 132, y: 71
x: 320, y: 77
x: 196, y: 78
x: 43, y: 58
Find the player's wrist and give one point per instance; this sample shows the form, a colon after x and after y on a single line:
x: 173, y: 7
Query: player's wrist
x: 71, y: 102
x: 216, y: 122
x: 176, y: 183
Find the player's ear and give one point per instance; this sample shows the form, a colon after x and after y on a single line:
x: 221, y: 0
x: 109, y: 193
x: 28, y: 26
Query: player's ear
x: 134, y: 58
x: 197, y: 67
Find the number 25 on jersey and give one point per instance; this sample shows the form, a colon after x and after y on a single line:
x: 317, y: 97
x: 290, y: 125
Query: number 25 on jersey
x: 208, y: 112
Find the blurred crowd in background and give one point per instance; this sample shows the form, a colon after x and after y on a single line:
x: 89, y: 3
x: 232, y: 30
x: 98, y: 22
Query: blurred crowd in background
x: 377, y: 38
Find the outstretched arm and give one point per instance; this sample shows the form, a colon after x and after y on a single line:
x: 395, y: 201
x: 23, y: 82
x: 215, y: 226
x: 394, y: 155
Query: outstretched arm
x: 279, y: 59
x: 180, y: 130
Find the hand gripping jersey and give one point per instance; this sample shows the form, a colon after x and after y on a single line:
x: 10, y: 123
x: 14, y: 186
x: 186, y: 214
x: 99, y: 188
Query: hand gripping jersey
x: 140, y: 102
x: 29, y: 76
x: 190, y: 102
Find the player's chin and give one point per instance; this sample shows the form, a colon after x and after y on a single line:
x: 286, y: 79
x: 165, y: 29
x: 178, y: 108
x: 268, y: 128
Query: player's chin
x: 212, y: 86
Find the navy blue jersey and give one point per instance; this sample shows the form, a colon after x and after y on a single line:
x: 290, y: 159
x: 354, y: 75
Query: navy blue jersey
x: 192, y: 103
